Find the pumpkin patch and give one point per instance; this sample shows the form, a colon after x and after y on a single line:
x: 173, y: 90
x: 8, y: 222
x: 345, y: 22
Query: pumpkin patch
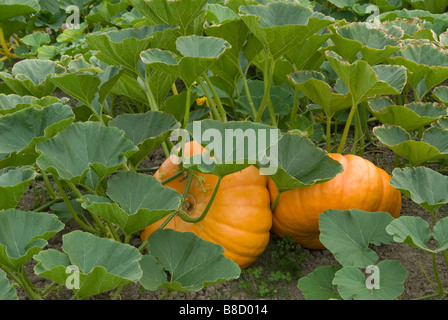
x: 281, y: 102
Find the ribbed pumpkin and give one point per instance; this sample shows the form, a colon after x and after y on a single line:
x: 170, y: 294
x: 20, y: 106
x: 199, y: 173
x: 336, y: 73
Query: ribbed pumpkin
x: 239, y: 219
x: 361, y: 185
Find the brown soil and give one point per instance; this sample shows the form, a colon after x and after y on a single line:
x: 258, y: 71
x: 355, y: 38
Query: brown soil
x: 413, y: 259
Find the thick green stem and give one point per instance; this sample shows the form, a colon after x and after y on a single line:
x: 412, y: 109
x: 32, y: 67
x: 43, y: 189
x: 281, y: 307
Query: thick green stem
x: 207, y: 208
x: 50, y: 190
x: 48, y: 204
x: 248, y: 94
x: 113, y: 232
x: 357, y: 134
x: 167, y: 145
x: 328, y: 133
x: 165, y: 295
x: 295, y: 107
x: 347, y: 128
x: 4, y: 45
x: 436, y: 274
x: 364, y: 121
x: 212, y: 104
x: 445, y: 256
x: 405, y: 93
x: 268, y: 74
x: 216, y: 96
x: 23, y: 283
x: 173, y: 177
x: 187, y: 107
x: 275, y: 202
x: 71, y: 210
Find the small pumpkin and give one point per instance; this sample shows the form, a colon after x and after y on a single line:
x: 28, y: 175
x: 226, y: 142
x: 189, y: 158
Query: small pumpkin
x: 239, y: 219
x: 361, y: 185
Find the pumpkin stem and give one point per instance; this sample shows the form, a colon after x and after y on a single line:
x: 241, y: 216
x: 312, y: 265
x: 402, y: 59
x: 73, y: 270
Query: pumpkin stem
x: 207, y: 208
x: 173, y: 177
x: 275, y: 202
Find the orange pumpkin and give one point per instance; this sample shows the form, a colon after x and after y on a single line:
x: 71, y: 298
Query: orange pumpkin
x: 361, y: 186
x: 239, y: 219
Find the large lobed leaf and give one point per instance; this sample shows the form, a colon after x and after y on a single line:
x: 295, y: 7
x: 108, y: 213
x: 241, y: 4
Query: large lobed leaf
x: 24, y: 234
x: 85, y: 153
x: 22, y: 130
x: 135, y: 201
x: 13, y: 184
x: 348, y: 234
x: 103, y: 264
x: 423, y: 185
x: 432, y: 146
x: 191, y: 262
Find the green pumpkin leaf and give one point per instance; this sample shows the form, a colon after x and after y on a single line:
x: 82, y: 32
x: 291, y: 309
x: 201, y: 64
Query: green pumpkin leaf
x: 30, y: 77
x: 22, y: 130
x: 23, y: 234
x: 204, y: 265
x: 410, y: 117
x: 88, y: 88
x: 154, y: 275
x: 426, y: 65
x: 301, y: 163
x: 187, y: 14
x: 12, y: 102
x: 138, y: 200
x: 352, y: 283
x: 432, y: 146
x: 378, y: 80
x: 7, y: 291
x: 424, y: 186
x: 123, y: 47
x: 441, y: 94
x: 10, y: 9
x: 318, y: 285
x: 13, y: 184
x: 198, y: 55
x: 85, y: 153
x: 282, y: 26
x: 228, y: 66
x: 436, y: 6
x: 343, y: 4
x: 147, y: 131
x: 415, y: 231
x: 315, y: 87
x: 356, y: 41
x: 106, y: 11
x: 348, y: 234
x: 103, y: 264
x: 128, y: 85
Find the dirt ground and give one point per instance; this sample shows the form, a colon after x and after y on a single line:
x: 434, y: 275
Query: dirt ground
x: 261, y: 287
